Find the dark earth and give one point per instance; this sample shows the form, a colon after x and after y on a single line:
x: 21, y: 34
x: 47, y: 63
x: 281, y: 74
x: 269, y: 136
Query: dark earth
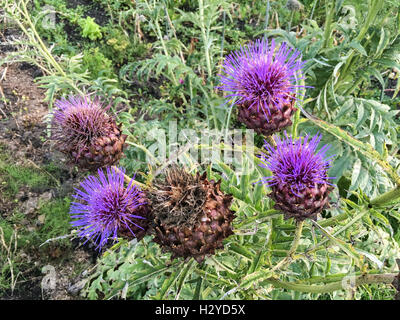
x: 54, y: 271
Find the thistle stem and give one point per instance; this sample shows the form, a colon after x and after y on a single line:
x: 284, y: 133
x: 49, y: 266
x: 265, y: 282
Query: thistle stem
x: 204, y: 34
x: 313, y: 8
x: 271, y: 141
x: 387, y: 278
x: 328, y: 23
x: 296, y: 240
x: 290, y: 21
x: 386, y: 197
x: 205, y: 30
x: 128, y: 179
x: 296, y: 121
x: 266, y: 18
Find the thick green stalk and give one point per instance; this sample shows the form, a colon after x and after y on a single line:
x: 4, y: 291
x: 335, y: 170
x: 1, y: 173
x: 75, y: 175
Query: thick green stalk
x: 204, y: 35
x: 334, y: 277
x: 296, y: 118
x: 128, y: 179
x: 387, y: 278
x: 372, y: 13
x: 334, y: 220
x: 228, y: 120
x: 293, y: 248
x: 297, y: 237
x: 328, y: 23
x: 386, y: 198
x: 267, y: 17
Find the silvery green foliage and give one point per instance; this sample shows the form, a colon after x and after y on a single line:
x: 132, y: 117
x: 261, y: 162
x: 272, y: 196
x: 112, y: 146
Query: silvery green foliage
x: 346, y: 56
x: 347, y: 53
x: 262, y: 238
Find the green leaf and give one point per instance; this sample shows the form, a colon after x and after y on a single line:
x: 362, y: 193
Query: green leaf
x: 377, y: 75
x: 257, y: 261
x: 166, y: 286
x: 242, y: 251
x: 254, y: 277
x: 355, y: 174
x: 346, y: 108
x: 185, y: 273
x: 382, y: 219
x: 388, y: 63
x: 371, y: 257
x: 395, y: 215
x: 146, y: 275
x: 357, y: 46
x: 340, y: 243
x: 383, y: 42
x: 360, y: 114
x: 197, y: 292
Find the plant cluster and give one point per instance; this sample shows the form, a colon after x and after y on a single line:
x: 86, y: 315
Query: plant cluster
x: 321, y: 204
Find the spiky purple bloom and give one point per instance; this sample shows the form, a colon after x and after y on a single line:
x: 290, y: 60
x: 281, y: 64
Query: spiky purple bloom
x: 299, y: 183
x: 296, y: 162
x: 105, y: 207
x: 84, y: 131
x: 77, y: 120
x: 262, y: 75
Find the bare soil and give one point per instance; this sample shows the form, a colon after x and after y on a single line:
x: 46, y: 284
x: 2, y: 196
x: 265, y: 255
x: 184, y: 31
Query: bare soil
x: 54, y: 271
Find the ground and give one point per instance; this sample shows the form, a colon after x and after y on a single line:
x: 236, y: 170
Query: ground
x: 35, y: 186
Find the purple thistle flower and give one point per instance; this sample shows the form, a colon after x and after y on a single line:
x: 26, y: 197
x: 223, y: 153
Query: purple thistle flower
x: 77, y: 120
x: 82, y: 129
x: 296, y: 163
x: 106, y: 207
x: 262, y: 75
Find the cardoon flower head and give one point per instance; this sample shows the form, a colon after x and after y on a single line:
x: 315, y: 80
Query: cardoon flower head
x: 106, y: 209
x: 299, y: 182
x: 79, y: 119
x: 296, y: 162
x: 86, y: 133
x: 261, y: 79
x: 262, y: 74
x: 192, y: 216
